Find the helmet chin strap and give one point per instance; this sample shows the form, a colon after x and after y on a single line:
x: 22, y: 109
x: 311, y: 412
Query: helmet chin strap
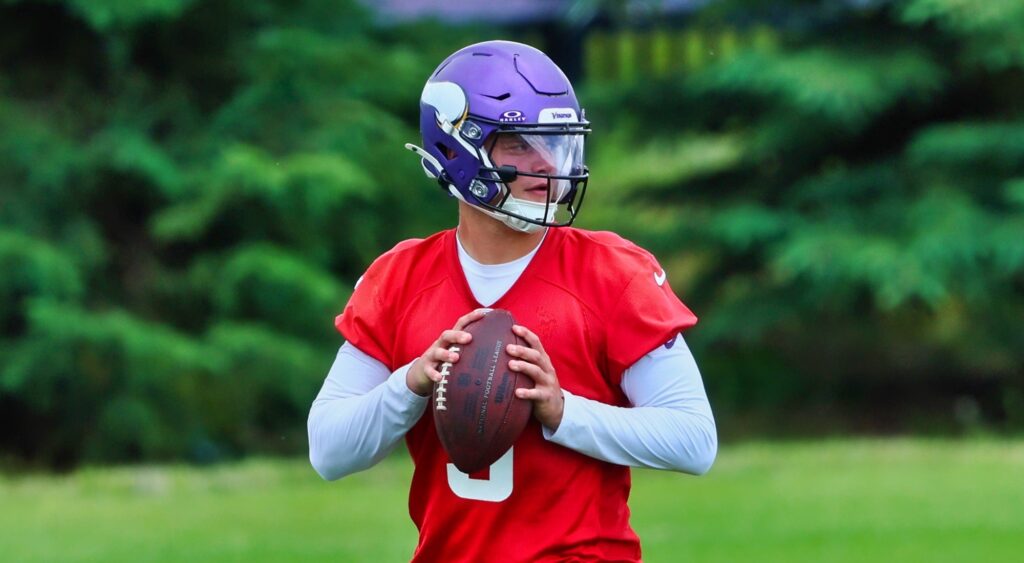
x: 526, y: 209
x: 517, y: 206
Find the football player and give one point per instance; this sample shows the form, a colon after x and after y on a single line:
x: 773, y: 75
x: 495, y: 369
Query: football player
x: 616, y: 386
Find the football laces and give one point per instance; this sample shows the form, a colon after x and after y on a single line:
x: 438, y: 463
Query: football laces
x: 440, y: 399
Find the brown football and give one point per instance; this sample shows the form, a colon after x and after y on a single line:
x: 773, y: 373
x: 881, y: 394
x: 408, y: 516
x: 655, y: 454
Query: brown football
x: 476, y: 411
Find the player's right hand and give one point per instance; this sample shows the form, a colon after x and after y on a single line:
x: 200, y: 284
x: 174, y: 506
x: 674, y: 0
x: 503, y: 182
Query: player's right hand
x: 423, y: 372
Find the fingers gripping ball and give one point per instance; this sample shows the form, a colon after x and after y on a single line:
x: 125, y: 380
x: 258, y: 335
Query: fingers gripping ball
x: 476, y: 411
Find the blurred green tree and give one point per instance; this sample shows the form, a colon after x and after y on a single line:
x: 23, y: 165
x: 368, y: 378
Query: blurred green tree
x: 844, y: 208
x: 189, y: 189
x: 187, y: 192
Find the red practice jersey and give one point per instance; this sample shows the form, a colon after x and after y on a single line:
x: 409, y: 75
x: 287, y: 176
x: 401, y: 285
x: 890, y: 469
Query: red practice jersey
x: 598, y: 303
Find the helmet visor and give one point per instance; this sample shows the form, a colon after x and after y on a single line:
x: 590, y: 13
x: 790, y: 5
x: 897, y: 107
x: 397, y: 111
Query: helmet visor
x: 556, y: 157
x: 564, y: 153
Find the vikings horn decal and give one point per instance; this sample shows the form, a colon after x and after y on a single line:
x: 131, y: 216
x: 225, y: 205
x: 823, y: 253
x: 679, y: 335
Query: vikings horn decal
x: 448, y: 100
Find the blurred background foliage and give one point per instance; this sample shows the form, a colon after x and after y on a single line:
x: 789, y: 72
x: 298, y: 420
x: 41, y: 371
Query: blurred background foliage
x: 189, y: 190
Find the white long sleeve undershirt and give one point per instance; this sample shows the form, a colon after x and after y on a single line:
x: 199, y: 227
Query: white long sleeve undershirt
x: 669, y: 424
x: 359, y: 415
x: 362, y: 411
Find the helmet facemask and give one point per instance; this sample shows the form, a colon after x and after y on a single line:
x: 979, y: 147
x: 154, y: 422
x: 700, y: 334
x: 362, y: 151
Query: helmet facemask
x: 536, y: 173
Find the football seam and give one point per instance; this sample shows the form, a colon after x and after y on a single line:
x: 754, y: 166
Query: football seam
x: 512, y: 394
x: 440, y: 399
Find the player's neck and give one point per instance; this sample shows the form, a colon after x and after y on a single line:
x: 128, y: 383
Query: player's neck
x: 490, y: 242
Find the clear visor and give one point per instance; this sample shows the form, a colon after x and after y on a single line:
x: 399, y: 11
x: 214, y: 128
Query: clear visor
x: 557, y: 157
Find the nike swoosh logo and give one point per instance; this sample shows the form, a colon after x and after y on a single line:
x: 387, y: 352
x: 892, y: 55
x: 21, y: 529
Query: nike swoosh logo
x: 659, y: 278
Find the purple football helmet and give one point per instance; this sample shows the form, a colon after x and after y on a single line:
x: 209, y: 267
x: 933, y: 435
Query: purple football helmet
x: 499, y: 88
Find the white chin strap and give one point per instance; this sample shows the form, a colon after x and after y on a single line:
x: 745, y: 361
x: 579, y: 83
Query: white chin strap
x: 531, y: 209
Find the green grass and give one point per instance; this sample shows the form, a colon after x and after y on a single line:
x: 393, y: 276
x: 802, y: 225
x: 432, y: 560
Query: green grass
x: 892, y: 500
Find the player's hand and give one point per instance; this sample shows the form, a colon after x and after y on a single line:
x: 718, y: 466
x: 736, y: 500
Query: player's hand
x: 548, y: 401
x: 423, y: 372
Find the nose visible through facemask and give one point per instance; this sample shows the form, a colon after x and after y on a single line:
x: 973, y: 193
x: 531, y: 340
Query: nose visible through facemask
x: 558, y: 153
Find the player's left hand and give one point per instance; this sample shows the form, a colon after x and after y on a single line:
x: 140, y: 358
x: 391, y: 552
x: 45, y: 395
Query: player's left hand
x: 548, y: 401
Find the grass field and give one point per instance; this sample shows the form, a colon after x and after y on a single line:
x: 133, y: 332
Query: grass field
x: 891, y: 500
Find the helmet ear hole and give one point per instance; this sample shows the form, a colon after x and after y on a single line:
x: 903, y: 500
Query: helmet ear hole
x: 443, y: 149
